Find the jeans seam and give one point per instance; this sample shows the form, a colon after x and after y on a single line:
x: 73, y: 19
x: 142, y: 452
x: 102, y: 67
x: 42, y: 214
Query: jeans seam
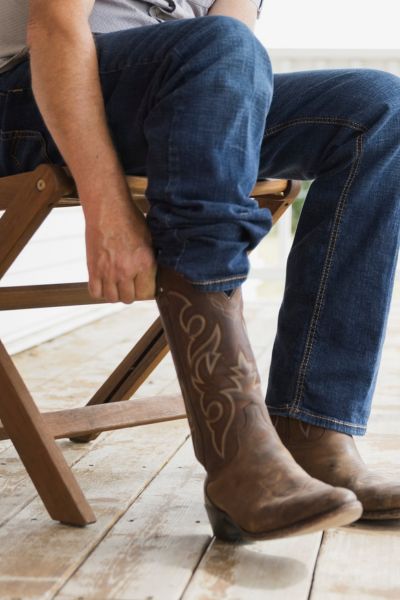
x: 174, y: 168
x: 15, y: 91
x: 223, y: 280
x: 315, y: 121
x: 19, y: 133
x: 304, y: 411
x: 309, y: 345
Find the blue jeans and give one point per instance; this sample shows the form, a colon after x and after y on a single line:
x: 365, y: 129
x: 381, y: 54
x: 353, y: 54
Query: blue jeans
x: 194, y: 105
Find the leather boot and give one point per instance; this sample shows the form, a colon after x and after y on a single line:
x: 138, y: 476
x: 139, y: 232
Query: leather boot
x: 332, y: 457
x: 253, y: 489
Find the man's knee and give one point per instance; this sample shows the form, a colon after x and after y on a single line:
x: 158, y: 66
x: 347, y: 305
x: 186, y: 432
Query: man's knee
x: 231, y: 34
x: 225, y: 44
x: 378, y: 90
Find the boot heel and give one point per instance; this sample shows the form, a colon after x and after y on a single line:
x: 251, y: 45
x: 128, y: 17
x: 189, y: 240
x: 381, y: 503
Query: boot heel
x: 222, y: 526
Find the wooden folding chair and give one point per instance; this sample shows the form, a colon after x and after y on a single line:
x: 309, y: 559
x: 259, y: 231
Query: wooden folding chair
x: 27, y: 199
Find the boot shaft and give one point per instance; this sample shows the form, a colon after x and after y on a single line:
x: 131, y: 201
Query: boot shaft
x: 215, y: 365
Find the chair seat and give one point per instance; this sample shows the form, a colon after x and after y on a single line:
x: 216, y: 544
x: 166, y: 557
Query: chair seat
x: 273, y: 189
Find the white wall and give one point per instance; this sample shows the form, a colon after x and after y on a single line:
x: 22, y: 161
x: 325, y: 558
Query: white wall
x: 340, y: 24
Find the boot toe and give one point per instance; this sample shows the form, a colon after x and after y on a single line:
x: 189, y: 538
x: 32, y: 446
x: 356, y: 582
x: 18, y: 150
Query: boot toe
x: 341, y: 495
x: 327, y: 498
x: 319, y: 507
x: 380, y: 499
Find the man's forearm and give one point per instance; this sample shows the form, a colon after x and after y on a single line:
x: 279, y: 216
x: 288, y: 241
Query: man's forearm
x: 67, y: 89
x: 243, y: 10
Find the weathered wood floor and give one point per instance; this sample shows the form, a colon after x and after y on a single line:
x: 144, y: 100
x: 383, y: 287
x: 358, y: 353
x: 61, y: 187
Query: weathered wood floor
x: 152, y: 540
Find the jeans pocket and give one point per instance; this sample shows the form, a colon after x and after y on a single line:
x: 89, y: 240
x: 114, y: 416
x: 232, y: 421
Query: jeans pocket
x: 21, y: 151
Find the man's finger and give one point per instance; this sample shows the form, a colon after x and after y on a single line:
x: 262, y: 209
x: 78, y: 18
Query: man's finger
x: 145, y: 285
x: 95, y: 288
x: 126, y: 291
x: 110, y: 291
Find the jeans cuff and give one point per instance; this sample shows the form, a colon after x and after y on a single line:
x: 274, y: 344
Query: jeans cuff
x: 223, y: 284
x: 319, y: 420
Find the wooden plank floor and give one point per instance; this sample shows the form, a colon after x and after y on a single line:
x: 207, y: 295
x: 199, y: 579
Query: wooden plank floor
x: 152, y: 540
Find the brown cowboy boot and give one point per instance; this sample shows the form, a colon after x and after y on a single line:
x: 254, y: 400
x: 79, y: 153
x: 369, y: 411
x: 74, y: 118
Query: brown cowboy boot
x: 254, y: 489
x: 333, y: 457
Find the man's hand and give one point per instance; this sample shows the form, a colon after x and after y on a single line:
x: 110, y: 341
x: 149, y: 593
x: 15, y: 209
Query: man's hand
x: 66, y: 85
x: 120, y: 257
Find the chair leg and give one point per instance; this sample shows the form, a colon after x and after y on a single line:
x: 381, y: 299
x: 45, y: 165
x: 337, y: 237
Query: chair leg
x: 132, y: 371
x: 38, y: 451
x: 31, y: 204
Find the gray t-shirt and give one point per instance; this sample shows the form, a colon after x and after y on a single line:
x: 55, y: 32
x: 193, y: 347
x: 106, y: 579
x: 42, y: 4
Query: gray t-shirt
x: 107, y: 16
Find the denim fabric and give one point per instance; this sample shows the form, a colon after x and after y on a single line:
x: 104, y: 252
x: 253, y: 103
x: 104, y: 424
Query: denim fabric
x: 186, y: 103
x: 342, y: 129
x: 194, y: 105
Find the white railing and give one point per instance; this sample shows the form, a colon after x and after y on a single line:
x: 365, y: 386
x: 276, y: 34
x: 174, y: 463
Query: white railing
x: 284, y: 60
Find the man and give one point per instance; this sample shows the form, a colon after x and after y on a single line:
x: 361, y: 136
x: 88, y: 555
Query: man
x: 192, y: 103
